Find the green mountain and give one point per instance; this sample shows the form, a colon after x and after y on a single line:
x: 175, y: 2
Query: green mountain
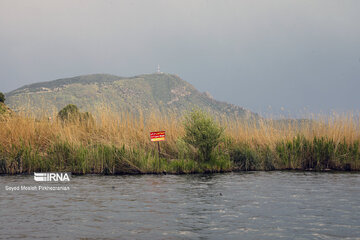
x: 158, y: 92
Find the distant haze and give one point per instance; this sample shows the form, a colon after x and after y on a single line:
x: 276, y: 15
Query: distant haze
x: 285, y: 54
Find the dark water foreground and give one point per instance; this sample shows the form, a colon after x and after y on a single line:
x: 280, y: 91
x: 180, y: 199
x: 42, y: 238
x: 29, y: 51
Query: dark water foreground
x: 259, y: 205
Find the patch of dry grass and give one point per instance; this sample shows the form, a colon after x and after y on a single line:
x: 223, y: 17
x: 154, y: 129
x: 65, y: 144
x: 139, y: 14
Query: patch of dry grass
x: 130, y: 131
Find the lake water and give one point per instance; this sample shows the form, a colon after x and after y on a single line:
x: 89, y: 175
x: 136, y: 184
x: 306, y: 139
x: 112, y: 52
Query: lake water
x: 256, y: 205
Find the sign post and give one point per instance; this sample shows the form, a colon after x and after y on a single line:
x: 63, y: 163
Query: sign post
x: 157, y: 137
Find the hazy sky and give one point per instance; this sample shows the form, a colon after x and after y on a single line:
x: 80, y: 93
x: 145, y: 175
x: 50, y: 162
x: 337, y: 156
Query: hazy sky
x: 253, y: 53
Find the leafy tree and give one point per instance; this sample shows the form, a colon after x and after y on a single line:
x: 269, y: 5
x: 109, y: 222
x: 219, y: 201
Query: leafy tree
x: 2, y: 97
x: 202, y: 133
x: 72, y: 113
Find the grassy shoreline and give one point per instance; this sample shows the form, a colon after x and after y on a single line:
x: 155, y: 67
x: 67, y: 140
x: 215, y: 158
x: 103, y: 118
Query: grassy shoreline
x: 120, y: 144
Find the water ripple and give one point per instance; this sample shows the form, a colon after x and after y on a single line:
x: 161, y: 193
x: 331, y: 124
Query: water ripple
x: 258, y: 205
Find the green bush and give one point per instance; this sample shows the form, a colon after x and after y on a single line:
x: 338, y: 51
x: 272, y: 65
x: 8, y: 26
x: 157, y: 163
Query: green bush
x: 202, y: 133
x: 69, y: 112
x: 2, y: 97
x: 72, y: 113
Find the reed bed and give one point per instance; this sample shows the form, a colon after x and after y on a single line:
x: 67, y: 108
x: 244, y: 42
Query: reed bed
x: 120, y: 144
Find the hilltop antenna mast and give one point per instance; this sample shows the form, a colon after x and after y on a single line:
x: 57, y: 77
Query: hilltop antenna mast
x: 158, y: 68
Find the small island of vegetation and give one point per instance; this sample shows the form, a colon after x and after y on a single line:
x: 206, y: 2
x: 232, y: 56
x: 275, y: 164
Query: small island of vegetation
x: 79, y: 143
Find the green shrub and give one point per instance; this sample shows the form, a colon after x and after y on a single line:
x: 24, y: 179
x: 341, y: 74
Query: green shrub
x: 71, y: 113
x: 2, y: 97
x: 202, y: 133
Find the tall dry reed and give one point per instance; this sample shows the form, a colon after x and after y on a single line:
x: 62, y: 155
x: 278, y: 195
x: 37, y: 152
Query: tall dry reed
x: 131, y: 131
